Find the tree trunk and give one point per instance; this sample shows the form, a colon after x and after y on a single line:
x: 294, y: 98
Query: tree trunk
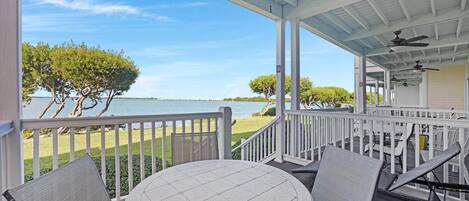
x: 59, y: 109
x: 108, y: 103
x: 76, y: 112
x: 49, y: 104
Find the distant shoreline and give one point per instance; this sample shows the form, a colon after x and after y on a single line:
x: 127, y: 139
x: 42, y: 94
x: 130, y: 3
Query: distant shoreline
x: 154, y: 98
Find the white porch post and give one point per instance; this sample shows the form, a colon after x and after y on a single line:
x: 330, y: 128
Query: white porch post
x: 224, y: 135
x: 295, y: 65
x: 10, y: 90
x: 360, y: 84
x: 280, y: 90
x: 377, y: 92
x: 387, y: 87
x: 423, y: 90
x: 466, y: 87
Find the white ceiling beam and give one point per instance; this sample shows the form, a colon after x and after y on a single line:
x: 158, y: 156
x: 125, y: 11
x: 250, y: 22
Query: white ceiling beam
x: 338, y: 23
x: 458, y: 28
x: 433, y: 6
x: 418, y: 20
x: 293, y: 3
x: 380, y: 40
x: 357, y: 18
x: 367, y: 44
x: 463, y: 4
x: 446, y: 41
x: 268, y: 8
x: 404, y: 9
x: 437, y: 36
x: 308, y: 8
x: 379, y: 12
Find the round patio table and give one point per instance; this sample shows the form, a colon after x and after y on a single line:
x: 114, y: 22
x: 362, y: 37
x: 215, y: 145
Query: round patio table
x: 220, y: 180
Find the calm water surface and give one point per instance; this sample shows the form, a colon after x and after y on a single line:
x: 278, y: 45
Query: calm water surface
x: 130, y: 106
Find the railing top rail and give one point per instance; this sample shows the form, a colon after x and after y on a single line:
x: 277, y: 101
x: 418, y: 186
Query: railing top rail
x: 6, y: 127
x: 111, y: 120
x: 417, y: 109
x: 462, y: 123
x: 257, y: 133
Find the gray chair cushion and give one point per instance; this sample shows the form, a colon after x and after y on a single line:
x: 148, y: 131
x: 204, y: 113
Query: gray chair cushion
x: 77, y: 180
x: 346, y: 176
x: 312, y: 167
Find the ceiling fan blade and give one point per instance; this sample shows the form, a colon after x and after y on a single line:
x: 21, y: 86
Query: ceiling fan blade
x: 417, y: 38
x: 410, y: 69
x: 416, y: 44
x: 435, y: 69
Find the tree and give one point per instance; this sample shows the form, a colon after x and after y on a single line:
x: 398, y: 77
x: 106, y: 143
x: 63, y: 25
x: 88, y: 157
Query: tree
x: 29, y: 83
x: 305, y: 84
x: 324, y: 97
x: 92, y: 73
x: 37, y: 58
x: 265, y: 85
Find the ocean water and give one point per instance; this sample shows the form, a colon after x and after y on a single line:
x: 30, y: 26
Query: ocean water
x: 137, y: 106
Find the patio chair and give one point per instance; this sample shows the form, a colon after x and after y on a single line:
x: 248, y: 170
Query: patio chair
x: 313, y: 167
x: 346, y: 176
x: 77, y: 180
x: 187, y: 147
x: 399, y: 149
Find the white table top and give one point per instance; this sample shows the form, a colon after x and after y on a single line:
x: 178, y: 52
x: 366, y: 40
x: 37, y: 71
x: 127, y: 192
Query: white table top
x: 220, y: 180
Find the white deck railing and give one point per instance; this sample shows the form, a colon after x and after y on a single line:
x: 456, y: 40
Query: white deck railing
x: 111, y: 127
x: 417, y: 112
x: 6, y: 128
x: 310, y: 132
x: 260, y: 147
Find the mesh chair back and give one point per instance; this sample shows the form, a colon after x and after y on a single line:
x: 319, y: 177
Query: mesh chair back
x: 187, y: 147
x: 346, y: 176
x: 77, y: 180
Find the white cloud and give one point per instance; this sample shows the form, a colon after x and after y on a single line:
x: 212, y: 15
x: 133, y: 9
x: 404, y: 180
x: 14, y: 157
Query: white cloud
x: 183, y: 5
x: 102, y: 8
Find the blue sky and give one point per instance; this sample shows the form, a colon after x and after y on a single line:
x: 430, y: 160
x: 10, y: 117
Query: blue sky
x: 207, y: 49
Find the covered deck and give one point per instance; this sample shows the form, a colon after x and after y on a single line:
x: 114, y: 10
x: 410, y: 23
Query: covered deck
x: 294, y: 137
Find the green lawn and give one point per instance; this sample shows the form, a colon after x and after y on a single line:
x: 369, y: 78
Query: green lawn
x: 242, y: 129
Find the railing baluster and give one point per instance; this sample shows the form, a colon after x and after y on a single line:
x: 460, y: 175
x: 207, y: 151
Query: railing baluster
x: 142, y: 151
x: 361, y: 133
x: 404, y: 151
x: 461, y: 169
x: 55, y: 149
x: 350, y: 128
x: 130, y: 167
x: 163, y: 145
x: 103, y: 153
x: 72, y: 144
x: 343, y: 131
x: 393, y: 147
x: 381, y: 142
x: 200, y: 138
x: 88, y: 141
x: 36, y: 167
x: 153, y: 148
x: 192, y: 140
x: 243, y: 150
x: 417, y: 145
x: 117, y: 163
x: 371, y: 138
x: 208, y: 139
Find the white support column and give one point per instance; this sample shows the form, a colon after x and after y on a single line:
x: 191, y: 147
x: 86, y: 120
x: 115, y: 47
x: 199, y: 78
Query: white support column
x: 10, y: 90
x: 360, y: 84
x: 224, y: 133
x: 423, y: 90
x: 280, y: 90
x: 377, y: 92
x: 295, y: 65
x: 387, y: 88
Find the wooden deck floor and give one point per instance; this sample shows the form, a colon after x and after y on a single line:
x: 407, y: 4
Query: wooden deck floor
x: 307, y: 179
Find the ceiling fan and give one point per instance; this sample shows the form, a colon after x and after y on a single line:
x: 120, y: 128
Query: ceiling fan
x: 394, y: 79
x: 405, y: 84
x: 402, y: 42
x: 419, y: 68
